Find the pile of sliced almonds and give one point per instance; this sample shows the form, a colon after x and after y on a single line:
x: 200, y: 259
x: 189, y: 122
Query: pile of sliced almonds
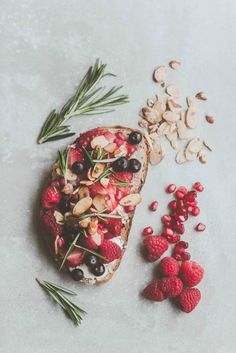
x: 165, y: 117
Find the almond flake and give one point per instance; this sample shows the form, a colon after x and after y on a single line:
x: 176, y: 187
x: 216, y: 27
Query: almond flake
x: 195, y: 145
x: 86, y: 182
x: 159, y: 75
x: 180, y: 157
x: 84, y: 222
x: 163, y: 129
x: 143, y: 123
x: 191, y: 118
x: 93, y: 226
x: 82, y: 206
x: 183, y: 115
x: 201, y: 96
x: 174, y: 105
x: 157, y: 154
x: 83, y: 192
x: 99, y: 202
x: 130, y: 200
x: 202, y: 156
x: 174, y: 64
x: 173, y: 91
x: 97, y: 170
x: 110, y: 147
x: 70, y: 175
x: 151, y: 115
x: 171, y: 116
x: 182, y: 130
x: 163, y: 98
x: 173, y: 128
x: 208, y: 146
x: 68, y: 189
x: 154, y: 136
x: 89, y: 174
x: 150, y: 102
x: 99, y: 141
x: 160, y: 107
x: 58, y: 217
x: 190, y: 102
x: 104, y: 182
x: 189, y: 155
x: 149, y: 141
x: 210, y: 118
x: 172, y: 137
x: 153, y: 128
x: 174, y: 144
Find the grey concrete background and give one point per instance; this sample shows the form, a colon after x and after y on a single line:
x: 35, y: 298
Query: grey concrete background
x: 46, y: 46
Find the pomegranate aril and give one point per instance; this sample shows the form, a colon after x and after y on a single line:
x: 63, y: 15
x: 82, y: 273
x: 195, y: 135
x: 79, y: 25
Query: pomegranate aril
x: 195, y: 211
x: 166, y: 219
x: 180, y: 204
x: 177, y: 257
x: 185, y: 256
x: 178, y: 227
x: 171, y: 188
x: 120, y: 136
x: 179, y: 194
x: 173, y: 205
x: 60, y: 242
x: 147, y: 230
x: 200, y: 227
x: 183, y: 244
x: 129, y: 209
x: 168, y: 232
x: 191, y: 196
x: 175, y: 239
x: 153, y: 206
x: 180, y: 217
x: 198, y: 186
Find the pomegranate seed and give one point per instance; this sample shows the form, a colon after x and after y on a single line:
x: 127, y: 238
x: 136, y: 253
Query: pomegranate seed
x: 180, y: 204
x: 200, y: 227
x: 153, y: 206
x: 60, y: 242
x: 168, y: 224
x: 169, y: 237
x: 191, y: 196
x: 195, y: 211
x: 185, y: 256
x: 171, y: 188
x: 147, y: 231
x: 180, y: 217
x: 173, y: 205
x: 178, y: 227
x: 178, y: 249
x: 175, y: 239
x: 192, y: 203
x: 55, y: 183
x: 190, y: 208
x: 179, y: 194
x: 198, y: 186
x: 166, y: 218
x: 168, y: 232
x: 120, y: 136
x: 129, y: 209
x: 183, y: 190
x: 183, y: 244
x: 177, y: 257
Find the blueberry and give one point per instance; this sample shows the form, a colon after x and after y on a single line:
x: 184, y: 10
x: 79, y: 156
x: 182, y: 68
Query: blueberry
x: 78, y: 168
x: 91, y: 260
x: 120, y: 164
x: 98, y: 270
x: 64, y: 205
x: 134, y: 138
x: 134, y: 165
x: 77, y: 274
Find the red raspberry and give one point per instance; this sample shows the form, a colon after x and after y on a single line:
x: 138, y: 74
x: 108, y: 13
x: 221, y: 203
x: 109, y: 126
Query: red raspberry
x: 50, y: 225
x: 75, y: 155
x: 169, y: 266
x: 50, y: 197
x: 156, y: 246
x: 171, y: 286
x: 75, y: 258
x: 113, y: 226
x: 110, y: 250
x: 189, y: 299
x: 191, y: 273
x: 153, y: 292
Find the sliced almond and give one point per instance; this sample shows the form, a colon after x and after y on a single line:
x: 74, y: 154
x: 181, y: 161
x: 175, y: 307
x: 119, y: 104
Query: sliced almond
x: 83, y: 192
x: 163, y: 129
x: 173, y: 128
x: 159, y: 75
x: 151, y: 115
x: 174, y: 105
x: 190, y: 102
x: 153, y: 128
x: 160, y: 107
x: 99, y: 202
x: 191, y: 118
x: 172, y: 137
x: 143, y: 123
x: 195, y: 145
x: 57, y: 171
x: 121, y: 151
x: 163, y: 98
x: 110, y: 147
x: 208, y: 146
x: 174, y: 64
x: 174, y: 144
x: 173, y: 91
x: 104, y: 182
x: 131, y: 200
x: 89, y: 174
x: 58, y: 217
x: 202, y: 156
x: 180, y: 157
x: 97, y: 170
x: 99, y: 141
x: 182, y: 130
x: 68, y: 189
x: 183, y: 115
x: 84, y: 222
x: 190, y: 156
x: 86, y: 182
x: 82, y: 206
x: 154, y: 136
x: 67, y: 215
x: 149, y: 141
x: 210, y: 118
x: 157, y: 154
x: 201, y: 96
x: 93, y: 226
x: 171, y: 116
x: 70, y: 175
x: 150, y: 102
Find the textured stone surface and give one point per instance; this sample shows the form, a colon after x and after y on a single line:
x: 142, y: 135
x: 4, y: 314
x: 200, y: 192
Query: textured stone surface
x: 46, y: 46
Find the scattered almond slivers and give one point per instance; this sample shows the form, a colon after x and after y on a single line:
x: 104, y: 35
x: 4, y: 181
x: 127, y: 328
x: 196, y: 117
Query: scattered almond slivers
x: 82, y: 206
x: 157, y: 153
x: 131, y: 200
x: 104, y: 182
x: 173, y: 91
x: 68, y: 189
x: 99, y: 202
x: 201, y: 96
x: 99, y: 141
x: 58, y: 217
x: 159, y: 75
x: 174, y: 64
x: 97, y: 170
x: 85, y: 222
x: 83, y: 192
x: 93, y: 226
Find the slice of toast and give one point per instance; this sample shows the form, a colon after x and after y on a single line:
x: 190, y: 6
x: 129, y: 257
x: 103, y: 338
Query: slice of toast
x: 120, y: 202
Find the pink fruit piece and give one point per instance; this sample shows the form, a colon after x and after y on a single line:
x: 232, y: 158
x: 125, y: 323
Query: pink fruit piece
x: 153, y: 206
x: 200, y: 227
x: 153, y: 292
x: 189, y: 299
x: 170, y: 188
x: 191, y: 273
x: 75, y: 258
x: 51, y: 197
x: 110, y: 250
x: 49, y: 223
x: 168, y: 266
x: 147, y: 230
x: 171, y: 287
x: 198, y: 187
x: 156, y: 246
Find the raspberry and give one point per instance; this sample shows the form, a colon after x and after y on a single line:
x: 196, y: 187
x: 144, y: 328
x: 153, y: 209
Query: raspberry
x: 171, y: 286
x: 191, y: 273
x: 50, y: 225
x: 110, y: 250
x: 156, y: 246
x: 75, y: 155
x: 75, y: 258
x: 113, y: 225
x: 189, y: 299
x: 153, y: 292
x: 169, y: 266
x: 50, y: 197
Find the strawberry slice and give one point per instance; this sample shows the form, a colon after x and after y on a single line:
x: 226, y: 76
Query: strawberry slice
x: 50, y: 197
x: 76, y: 155
x: 75, y: 258
x: 109, y: 193
x: 113, y: 226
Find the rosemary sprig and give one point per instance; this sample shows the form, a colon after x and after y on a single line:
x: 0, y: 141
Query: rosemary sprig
x: 70, y: 249
x: 91, y: 252
x: 87, y: 100
x: 63, y: 160
x: 55, y: 291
